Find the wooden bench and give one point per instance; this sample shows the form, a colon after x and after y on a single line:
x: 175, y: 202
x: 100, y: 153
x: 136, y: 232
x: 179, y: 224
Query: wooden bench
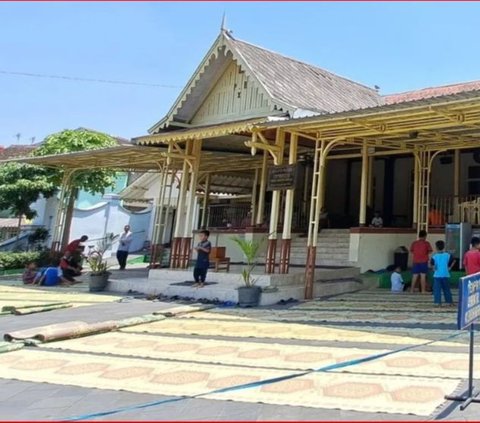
x: 218, y: 261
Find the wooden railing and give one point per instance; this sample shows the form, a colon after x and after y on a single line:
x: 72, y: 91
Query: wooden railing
x: 454, y: 209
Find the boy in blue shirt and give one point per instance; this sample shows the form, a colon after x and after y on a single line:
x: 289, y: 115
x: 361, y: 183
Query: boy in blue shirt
x: 442, y: 262
x: 201, y: 266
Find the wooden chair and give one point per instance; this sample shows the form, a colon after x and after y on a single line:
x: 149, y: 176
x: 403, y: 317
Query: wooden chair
x: 218, y: 261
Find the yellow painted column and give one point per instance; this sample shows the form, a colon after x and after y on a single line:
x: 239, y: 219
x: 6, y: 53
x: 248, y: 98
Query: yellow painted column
x: 203, y: 223
x: 253, y: 207
x: 370, y: 200
x: 191, y: 200
x: 263, y: 188
x: 276, y: 196
x: 364, y: 186
x: 316, y: 204
x: 456, y: 186
x: 416, y: 183
x: 288, y: 213
x: 180, y: 221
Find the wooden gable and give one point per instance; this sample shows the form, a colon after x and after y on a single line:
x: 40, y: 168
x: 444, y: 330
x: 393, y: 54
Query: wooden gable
x: 234, y: 96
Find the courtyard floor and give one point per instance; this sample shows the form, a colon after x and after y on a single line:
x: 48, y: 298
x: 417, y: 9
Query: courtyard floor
x: 369, y: 355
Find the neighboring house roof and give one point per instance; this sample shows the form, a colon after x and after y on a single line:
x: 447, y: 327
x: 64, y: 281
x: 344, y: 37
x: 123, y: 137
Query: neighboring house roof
x: 13, y: 151
x: 292, y: 87
x: 431, y: 92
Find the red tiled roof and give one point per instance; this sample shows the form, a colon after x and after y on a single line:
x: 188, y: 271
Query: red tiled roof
x: 16, y: 151
x: 432, y: 92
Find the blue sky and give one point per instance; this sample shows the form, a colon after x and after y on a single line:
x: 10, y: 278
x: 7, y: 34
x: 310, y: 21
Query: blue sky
x: 397, y: 46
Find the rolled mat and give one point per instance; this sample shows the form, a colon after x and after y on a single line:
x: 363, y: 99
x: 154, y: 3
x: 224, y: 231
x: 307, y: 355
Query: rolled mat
x: 30, y: 309
x: 138, y: 320
x: 178, y: 311
x: 7, y: 346
x: 59, y: 331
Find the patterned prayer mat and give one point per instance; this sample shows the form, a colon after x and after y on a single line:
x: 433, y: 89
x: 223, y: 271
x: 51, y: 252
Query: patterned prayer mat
x: 256, y: 354
x: 269, y: 355
x: 369, y: 305
x: 20, y: 297
x: 207, y: 325
x: 374, y: 316
x: 371, y: 393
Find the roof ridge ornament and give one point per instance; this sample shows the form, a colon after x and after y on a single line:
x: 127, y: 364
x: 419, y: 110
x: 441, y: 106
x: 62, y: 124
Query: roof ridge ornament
x: 223, y: 27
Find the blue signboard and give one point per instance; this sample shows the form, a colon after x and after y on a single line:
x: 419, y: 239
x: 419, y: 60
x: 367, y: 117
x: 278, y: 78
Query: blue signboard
x: 469, y: 300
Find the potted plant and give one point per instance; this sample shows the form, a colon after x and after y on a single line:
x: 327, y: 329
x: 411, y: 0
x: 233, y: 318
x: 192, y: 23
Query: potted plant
x: 98, y: 266
x: 249, y: 295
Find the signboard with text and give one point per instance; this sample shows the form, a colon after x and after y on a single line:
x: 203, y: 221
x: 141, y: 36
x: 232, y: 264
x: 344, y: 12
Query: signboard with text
x: 281, y: 177
x: 468, y: 300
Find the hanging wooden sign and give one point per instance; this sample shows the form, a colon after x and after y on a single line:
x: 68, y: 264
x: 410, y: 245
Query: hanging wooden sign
x: 282, y: 177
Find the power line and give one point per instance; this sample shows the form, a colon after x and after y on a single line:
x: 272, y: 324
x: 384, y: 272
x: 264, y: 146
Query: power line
x: 76, y: 78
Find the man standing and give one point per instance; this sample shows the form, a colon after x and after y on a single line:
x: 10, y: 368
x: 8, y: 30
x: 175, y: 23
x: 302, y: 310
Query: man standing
x: 420, y: 250
x: 123, y: 247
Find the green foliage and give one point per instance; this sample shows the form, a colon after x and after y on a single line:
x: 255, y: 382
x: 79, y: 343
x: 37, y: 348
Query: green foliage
x: 19, y: 260
x: 38, y: 236
x: 250, y: 249
x: 21, y: 185
x: 69, y: 141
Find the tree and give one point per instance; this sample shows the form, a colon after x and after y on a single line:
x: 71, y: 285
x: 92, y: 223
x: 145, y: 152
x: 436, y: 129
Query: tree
x: 94, y: 181
x: 20, y: 186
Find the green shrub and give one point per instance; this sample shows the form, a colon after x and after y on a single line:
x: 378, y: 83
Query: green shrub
x: 18, y: 260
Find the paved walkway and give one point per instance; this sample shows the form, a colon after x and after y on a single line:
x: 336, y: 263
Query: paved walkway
x: 199, y: 353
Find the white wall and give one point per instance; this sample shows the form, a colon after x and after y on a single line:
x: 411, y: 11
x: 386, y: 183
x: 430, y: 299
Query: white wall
x: 110, y: 217
x: 374, y: 251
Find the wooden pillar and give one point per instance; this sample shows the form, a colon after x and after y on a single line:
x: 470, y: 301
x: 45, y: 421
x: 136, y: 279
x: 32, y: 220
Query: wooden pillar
x: 168, y: 205
x: 288, y: 214
x: 276, y: 196
x: 370, y: 200
x: 416, y: 182
x: 263, y: 188
x: 254, y: 197
x: 456, y: 186
x: 195, y: 151
x: 203, y: 223
x: 362, y: 219
x: 180, y: 214
x: 456, y: 173
x: 159, y: 226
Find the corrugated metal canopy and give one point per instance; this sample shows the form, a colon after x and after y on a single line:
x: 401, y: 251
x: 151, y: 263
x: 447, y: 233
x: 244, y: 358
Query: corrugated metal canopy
x: 202, y: 132
x: 444, y: 122
x: 142, y: 159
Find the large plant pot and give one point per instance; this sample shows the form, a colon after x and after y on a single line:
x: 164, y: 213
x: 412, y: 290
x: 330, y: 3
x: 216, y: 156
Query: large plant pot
x: 98, y: 282
x: 249, y: 296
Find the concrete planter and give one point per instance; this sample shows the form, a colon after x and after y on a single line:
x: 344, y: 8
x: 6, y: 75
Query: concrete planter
x: 249, y: 296
x: 98, y: 283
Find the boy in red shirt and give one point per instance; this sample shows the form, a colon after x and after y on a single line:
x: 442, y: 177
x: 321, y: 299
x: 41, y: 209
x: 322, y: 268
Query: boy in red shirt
x: 471, y: 259
x: 420, y: 250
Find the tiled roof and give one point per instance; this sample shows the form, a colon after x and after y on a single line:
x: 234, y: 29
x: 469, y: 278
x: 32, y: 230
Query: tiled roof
x: 432, y: 92
x: 16, y: 151
x: 302, y: 85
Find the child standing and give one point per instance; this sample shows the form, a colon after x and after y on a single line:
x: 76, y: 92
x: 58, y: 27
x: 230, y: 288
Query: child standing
x: 396, y: 280
x: 201, y: 266
x: 442, y: 263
